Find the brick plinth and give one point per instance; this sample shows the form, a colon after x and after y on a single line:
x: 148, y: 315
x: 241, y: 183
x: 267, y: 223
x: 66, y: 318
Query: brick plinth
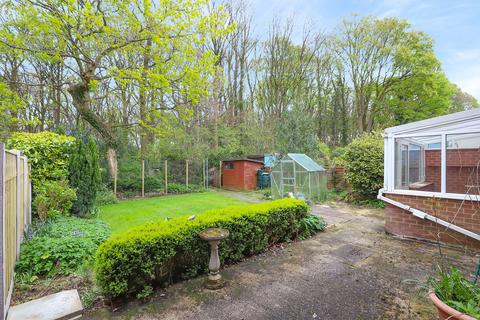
x: 463, y: 214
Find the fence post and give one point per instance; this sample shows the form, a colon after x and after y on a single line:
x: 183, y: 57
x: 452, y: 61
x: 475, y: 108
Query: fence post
x: 166, y: 177
x: 143, y: 178
x: 25, y: 193
x: 18, y: 178
x: 2, y: 229
x: 203, y: 174
x: 186, y: 173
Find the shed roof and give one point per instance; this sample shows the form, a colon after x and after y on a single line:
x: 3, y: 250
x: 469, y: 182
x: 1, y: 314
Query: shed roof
x: 463, y: 120
x: 243, y: 159
x: 306, y: 162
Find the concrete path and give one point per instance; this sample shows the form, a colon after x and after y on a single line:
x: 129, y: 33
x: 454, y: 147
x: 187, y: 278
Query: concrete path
x: 351, y: 271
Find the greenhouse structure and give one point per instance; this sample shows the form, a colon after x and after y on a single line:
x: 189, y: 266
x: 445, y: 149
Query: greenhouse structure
x: 297, y: 175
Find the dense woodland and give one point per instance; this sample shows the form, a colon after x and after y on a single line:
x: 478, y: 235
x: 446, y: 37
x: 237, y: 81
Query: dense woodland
x: 182, y: 79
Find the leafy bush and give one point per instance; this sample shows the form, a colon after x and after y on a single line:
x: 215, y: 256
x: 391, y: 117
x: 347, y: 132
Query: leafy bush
x: 84, y: 176
x: 363, y: 160
x: 179, y: 188
x: 61, y: 246
x: 104, y: 197
x: 47, y: 152
x: 164, y: 251
x: 53, y: 199
x: 454, y: 290
x: 313, y: 224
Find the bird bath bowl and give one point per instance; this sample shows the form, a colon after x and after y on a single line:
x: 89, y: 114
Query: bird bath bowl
x: 213, y: 236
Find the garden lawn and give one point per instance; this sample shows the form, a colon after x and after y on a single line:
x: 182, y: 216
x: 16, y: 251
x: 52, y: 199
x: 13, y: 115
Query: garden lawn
x: 131, y: 213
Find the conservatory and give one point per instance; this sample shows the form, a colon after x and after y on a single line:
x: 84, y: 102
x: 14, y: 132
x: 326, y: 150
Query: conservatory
x: 297, y: 175
x: 432, y: 173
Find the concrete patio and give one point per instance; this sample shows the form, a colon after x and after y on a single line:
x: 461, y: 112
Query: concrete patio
x: 351, y: 271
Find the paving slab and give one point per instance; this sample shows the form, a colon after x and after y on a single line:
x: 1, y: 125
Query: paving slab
x: 63, y: 305
x: 332, y: 216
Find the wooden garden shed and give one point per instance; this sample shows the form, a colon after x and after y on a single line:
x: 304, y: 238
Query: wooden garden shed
x: 240, y: 174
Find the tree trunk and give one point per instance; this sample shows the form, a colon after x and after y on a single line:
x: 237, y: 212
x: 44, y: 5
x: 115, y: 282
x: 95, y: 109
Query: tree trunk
x: 80, y: 100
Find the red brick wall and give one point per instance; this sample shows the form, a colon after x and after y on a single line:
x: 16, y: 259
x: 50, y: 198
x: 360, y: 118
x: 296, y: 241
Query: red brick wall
x: 403, y: 223
x: 243, y: 176
x: 461, y: 170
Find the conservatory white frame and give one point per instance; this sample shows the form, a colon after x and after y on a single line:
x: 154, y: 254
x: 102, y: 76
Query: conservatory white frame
x: 465, y: 122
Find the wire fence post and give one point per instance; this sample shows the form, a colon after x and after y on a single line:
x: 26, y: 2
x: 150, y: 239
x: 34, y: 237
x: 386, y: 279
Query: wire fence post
x: 143, y: 178
x: 166, y: 177
x: 203, y: 173
x: 186, y: 173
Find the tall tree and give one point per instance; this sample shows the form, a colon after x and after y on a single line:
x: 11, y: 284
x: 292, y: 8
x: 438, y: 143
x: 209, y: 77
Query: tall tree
x: 81, y: 35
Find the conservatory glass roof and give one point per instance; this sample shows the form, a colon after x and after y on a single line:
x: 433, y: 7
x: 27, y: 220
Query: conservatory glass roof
x: 306, y: 162
x: 465, y: 121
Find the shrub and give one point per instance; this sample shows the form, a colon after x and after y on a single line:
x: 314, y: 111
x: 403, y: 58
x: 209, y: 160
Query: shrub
x: 454, y: 290
x: 84, y: 176
x: 53, y: 198
x: 363, y: 160
x: 104, y: 197
x: 61, y: 246
x: 164, y: 251
x: 47, y: 152
x: 313, y: 224
x: 180, y: 188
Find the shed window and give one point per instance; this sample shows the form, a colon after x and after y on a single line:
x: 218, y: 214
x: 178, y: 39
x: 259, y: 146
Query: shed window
x: 229, y: 165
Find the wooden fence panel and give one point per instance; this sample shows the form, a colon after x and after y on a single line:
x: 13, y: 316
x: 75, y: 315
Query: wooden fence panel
x: 15, y: 216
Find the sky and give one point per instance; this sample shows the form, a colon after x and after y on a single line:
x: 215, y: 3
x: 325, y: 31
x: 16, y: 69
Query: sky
x: 453, y: 24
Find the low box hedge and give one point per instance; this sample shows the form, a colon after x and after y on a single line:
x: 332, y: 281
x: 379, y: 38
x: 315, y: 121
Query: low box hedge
x: 165, y: 251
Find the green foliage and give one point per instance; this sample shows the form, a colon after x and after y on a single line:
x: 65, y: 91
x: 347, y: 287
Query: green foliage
x: 130, y: 177
x: 105, y: 196
x: 179, y: 188
x: 296, y: 132
x: 84, y: 176
x: 453, y: 289
x: 10, y: 106
x: 61, y: 246
x: 312, y: 224
x: 53, y: 199
x: 48, y: 153
x: 145, y: 293
x: 363, y: 160
x: 161, y: 251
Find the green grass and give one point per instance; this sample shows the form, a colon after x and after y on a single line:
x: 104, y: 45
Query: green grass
x: 131, y: 213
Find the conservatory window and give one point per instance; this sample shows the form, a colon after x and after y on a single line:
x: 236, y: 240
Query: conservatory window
x: 417, y: 163
x: 463, y: 163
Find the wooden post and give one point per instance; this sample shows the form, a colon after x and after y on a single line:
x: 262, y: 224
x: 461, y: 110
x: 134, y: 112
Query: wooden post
x: 186, y: 173
x: 143, y: 178
x: 203, y: 173
x: 115, y: 182
x: 2, y: 230
x: 17, y: 200
x: 166, y: 177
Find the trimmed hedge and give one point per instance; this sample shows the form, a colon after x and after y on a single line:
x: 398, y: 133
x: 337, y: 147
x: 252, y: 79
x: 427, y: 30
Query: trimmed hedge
x: 161, y: 252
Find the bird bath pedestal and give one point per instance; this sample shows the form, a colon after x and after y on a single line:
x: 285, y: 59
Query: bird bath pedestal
x: 213, y: 236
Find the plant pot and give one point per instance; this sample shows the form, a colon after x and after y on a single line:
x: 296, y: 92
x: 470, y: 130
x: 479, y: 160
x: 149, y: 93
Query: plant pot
x: 446, y: 312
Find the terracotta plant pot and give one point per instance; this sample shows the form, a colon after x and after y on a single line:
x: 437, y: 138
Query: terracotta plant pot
x: 445, y: 312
